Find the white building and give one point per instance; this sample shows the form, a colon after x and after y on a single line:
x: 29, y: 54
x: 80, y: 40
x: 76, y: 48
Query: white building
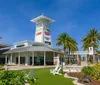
x: 39, y: 52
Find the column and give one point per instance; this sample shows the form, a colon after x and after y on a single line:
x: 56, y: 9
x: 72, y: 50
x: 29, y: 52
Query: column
x: 77, y: 60
x: 44, y: 58
x: 19, y: 58
x: 14, y: 59
x: 53, y: 54
x: 6, y: 59
x: 59, y: 59
x: 26, y: 59
x: 86, y: 58
x: 53, y: 57
x: 33, y: 58
x: 98, y: 58
x: 11, y: 59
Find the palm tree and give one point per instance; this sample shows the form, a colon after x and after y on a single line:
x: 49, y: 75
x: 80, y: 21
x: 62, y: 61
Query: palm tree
x: 92, y: 36
x: 67, y: 42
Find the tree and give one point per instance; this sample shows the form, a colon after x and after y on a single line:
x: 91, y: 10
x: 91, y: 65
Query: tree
x: 67, y: 42
x: 92, y: 36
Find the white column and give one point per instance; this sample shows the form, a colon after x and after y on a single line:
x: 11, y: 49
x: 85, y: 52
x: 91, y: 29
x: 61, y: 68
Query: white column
x: 44, y: 58
x: 98, y: 58
x: 14, y: 59
x: 77, y: 58
x: 6, y: 59
x: 19, y: 58
x: 54, y: 54
x: 59, y: 59
x: 53, y: 57
x: 26, y: 59
x: 33, y: 58
x: 86, y: 58
x: 11, y: 59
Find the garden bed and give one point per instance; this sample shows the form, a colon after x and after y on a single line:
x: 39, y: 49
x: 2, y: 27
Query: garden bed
x: 80, y: 76
x: 2, y: 68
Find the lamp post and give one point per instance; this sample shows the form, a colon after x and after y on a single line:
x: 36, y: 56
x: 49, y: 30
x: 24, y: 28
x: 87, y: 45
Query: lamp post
x: 93, y: 52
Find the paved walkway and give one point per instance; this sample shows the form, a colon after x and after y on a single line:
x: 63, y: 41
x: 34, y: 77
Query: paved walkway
x: 74, y: 67
x: 67, y: 68
x: 26, y: 67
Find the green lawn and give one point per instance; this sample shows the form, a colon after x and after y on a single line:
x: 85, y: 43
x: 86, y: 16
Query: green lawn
x: 44, y: 77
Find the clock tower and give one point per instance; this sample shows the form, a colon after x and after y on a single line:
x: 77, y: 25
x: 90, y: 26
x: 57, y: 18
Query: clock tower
x: 42, y: 33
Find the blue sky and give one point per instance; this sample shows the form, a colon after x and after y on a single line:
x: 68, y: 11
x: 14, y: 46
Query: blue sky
x: 75, y: 17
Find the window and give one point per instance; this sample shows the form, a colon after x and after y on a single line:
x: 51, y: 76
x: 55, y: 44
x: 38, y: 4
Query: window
x: 20, y: 45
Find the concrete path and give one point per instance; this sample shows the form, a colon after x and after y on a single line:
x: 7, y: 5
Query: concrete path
x: 74, y: 67
x: 26, y: 67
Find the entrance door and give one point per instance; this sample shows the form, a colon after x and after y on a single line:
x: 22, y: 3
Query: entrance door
x: 38, y: 60
x: 22, y: 60
x: 16, y: 60
x: 30, y: 60
x: 2, y: 61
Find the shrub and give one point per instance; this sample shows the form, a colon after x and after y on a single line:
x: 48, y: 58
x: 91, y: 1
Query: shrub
x: 96, y: 72
x: 11, y: 78
x: 93, y: 71
x: 1, y: 66
x: 87, y: 70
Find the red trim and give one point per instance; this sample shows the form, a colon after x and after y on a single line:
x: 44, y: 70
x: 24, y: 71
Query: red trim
x: 47, y: 33
x: 39, y: 33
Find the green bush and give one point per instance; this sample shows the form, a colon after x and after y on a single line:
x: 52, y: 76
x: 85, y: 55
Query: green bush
x: 93, y: 71
x: 87, y: 70
x: 96, y: 72
x: 12, y: 78
x: 1, y: 66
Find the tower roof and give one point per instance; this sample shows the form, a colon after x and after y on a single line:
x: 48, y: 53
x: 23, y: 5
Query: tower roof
x: 42, y: 17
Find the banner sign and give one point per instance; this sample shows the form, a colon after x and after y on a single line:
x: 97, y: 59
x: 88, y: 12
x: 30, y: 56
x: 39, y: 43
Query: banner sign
x: 39, y: 33
x: 91, y: 51
x: 47, y: 33
x: 39, y: 29
x: 47, y: 30
x: 48, y: 43
x: 56, y: 60
x: 47, y: 38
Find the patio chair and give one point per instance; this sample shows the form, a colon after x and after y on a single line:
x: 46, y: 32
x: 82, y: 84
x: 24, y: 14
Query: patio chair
x: 57, y: 72
x: 53, y: 70
x: 30, y: 75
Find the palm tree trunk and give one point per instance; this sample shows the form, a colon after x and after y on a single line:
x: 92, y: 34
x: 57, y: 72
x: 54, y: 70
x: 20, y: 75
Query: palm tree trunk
x: 94, y: 61
x: 65, y: 56
x: 63, y: 60
x: 69, y: 56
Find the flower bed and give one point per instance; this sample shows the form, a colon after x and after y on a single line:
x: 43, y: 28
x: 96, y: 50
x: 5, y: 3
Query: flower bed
x: 80, y: 76
x: 1, y: 67
x: 91, y: 73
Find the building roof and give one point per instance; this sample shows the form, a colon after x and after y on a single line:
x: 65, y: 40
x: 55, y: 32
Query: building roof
x: 23, y: 42
x: 42, y: 17
x: 32, y: 48
x: 3, y: 45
